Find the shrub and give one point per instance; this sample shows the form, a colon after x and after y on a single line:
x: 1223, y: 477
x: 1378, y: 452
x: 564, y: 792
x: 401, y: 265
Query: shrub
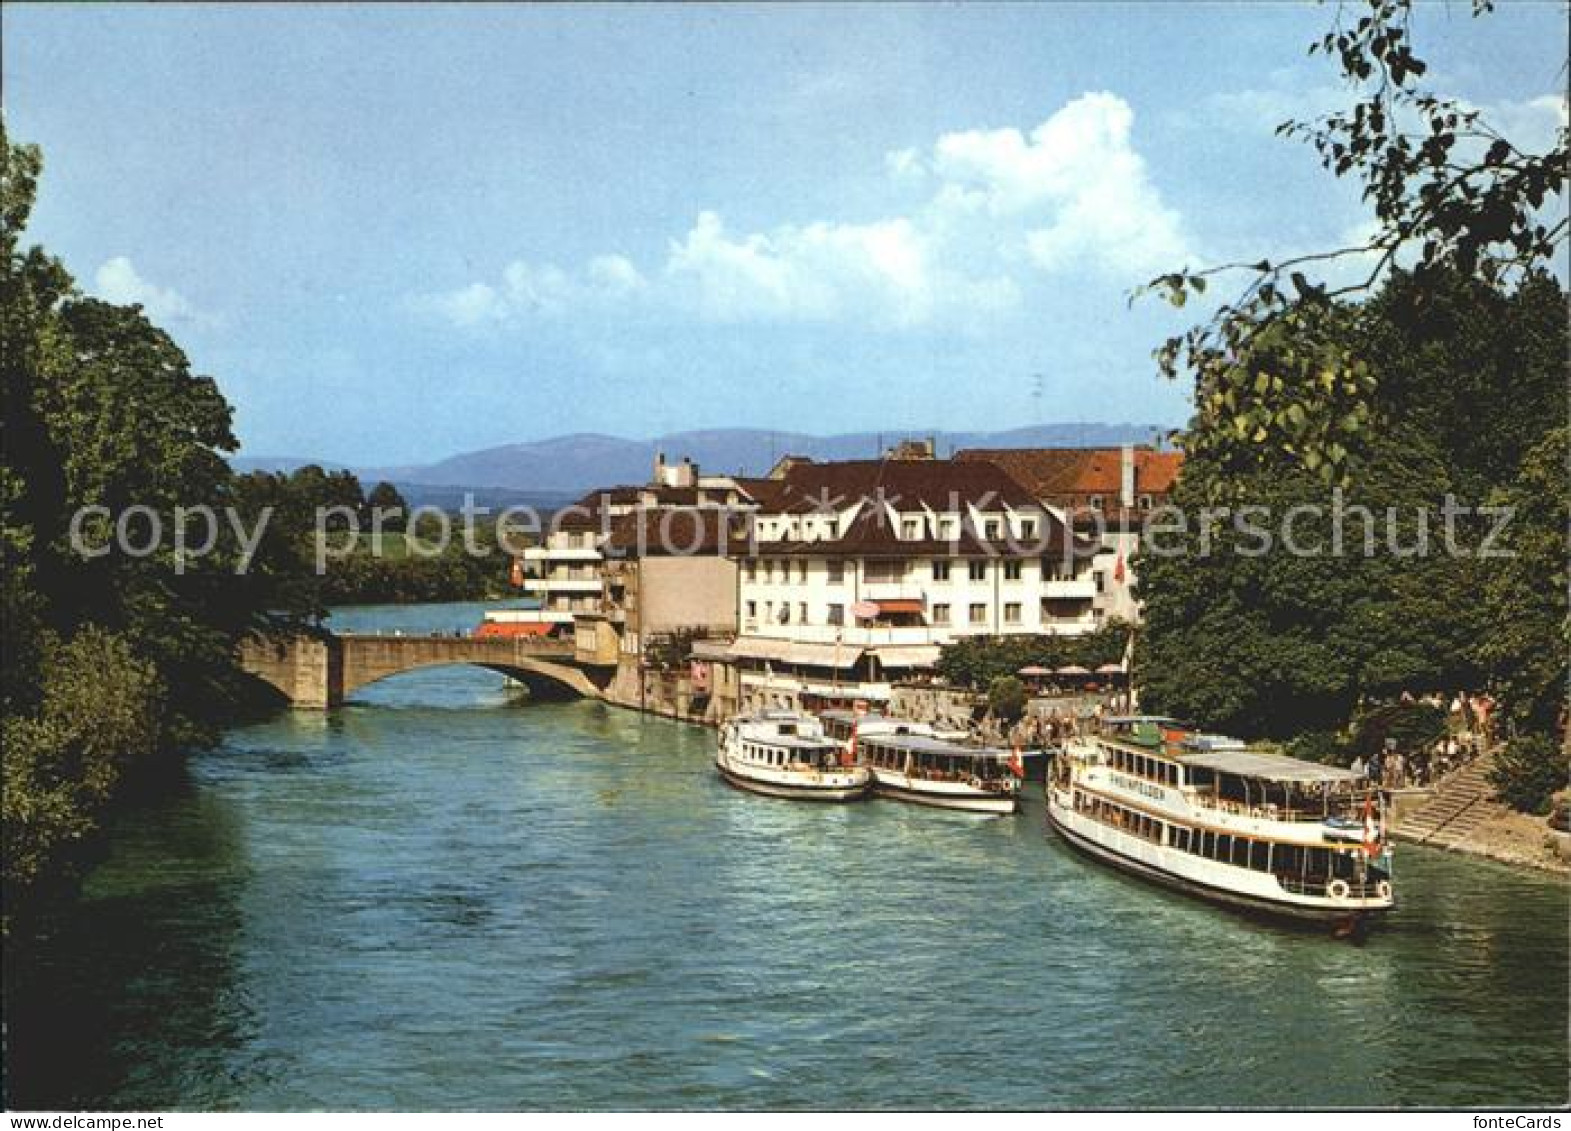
x: 1528, y: 772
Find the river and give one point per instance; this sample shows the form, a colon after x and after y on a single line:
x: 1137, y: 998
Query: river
x: 445, y: 896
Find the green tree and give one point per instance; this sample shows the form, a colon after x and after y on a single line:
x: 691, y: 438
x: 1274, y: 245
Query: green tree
x: 1524, y: 597
x: 385, y: 498
x: 1006, y: 698
x: 111, y: 660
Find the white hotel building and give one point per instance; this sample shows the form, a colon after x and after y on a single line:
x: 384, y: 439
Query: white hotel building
x: 858, y: 572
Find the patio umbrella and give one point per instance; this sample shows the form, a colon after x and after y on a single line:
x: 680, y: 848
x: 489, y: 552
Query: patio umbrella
x: 1074, y: 669
x: 1034, y: 670
x: 1110, y: 669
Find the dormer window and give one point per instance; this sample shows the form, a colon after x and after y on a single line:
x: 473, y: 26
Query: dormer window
x: 1096, y: 502
x: 913, y: 529
x: 990, y: 529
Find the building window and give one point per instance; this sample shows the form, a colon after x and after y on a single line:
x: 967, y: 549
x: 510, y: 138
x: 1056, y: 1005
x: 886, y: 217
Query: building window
x: 769, y: 570
x: 978, y: 571
x: 940, y: 571
x: 1096, y: 502
x: 978, y: 614
x: 752, y: 610
x: 837, y: 615
x: 752, y: 570
x: 913, y: 528
x: 1011, y: 571
x: 801, y: 571
x: 1028, y: 528
x: 940, y: 614
x: 801, y: 612
x: 990, y: 529
x: 1101, y: 581
x: 1012, y: 614
x: 836, y: 572
x: 785, y: 612
x: 1145, y: 502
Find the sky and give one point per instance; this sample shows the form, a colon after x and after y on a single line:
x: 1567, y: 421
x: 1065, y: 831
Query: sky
x: 396, y: 233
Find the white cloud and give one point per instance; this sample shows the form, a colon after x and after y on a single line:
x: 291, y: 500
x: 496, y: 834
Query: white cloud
x: 1076, y: 181
x: 1002, y: 208
x: 473, y: 305
x: 117, y: 281
x: 884, y: 273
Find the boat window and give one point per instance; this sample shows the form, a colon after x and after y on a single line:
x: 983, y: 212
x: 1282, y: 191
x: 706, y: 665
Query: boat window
x: 1260, y: 855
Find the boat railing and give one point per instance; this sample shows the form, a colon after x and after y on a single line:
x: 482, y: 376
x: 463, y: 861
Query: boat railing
x: 1318, y: 885
x: 1267, y: 812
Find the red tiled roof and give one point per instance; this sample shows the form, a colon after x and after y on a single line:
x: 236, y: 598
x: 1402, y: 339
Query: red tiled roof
x: 1049, y: 473
x: 905, y: 484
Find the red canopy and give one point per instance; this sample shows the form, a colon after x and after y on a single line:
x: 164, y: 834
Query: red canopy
x: 900, y: 605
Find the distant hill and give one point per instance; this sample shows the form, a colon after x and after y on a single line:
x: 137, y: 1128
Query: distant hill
x: 578, y: 463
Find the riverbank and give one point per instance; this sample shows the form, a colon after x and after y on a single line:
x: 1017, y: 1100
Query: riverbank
x: 1518, y: 839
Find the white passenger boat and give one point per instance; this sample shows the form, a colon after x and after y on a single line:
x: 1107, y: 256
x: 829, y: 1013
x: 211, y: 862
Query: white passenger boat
x: 787, y: 754
x: 912, y: 761
x: 1209, y: 816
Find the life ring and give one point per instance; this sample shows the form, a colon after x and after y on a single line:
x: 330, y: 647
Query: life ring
x: 1383, y: 889
x: 1337, y: 890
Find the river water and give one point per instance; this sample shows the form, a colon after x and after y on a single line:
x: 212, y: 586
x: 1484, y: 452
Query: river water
x: 445, y: 896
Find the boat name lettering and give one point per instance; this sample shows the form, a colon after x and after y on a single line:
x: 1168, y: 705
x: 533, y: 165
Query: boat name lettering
x: 1135, y: 785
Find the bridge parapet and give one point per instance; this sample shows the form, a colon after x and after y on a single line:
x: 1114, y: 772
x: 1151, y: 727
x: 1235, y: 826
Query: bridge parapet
x: 319, y: 671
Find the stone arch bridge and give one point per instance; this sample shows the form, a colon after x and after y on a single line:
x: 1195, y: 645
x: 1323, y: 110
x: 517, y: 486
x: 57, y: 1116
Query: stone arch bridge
x: 321, y: 670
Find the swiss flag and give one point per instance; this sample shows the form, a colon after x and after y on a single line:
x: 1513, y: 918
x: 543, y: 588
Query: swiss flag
x: 1371, y: 830
x: 1016, y: 765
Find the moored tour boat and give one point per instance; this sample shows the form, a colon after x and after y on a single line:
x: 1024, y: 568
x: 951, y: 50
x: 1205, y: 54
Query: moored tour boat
x: 787, y: 754
x: 1207, y: 815
x: 914, y: 762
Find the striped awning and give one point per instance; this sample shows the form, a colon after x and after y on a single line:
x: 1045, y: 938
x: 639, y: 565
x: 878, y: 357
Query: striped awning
x: 824, y: 655
x: 908, y: 655
x: 760, y: 648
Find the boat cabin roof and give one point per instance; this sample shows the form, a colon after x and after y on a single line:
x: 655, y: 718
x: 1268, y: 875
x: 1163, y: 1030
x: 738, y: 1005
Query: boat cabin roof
x: 794, y: 741
x: 922, y: 744
x: 1269, y: 767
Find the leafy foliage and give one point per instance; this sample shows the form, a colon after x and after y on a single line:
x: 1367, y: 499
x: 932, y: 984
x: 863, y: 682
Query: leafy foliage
x: 1526, y: 649
x: 977, y: 661
x: 1529, y: 771
x: 1006, y: 698
x: 1278, y: 644
x: 97, y: 717
x: 1446, y: 189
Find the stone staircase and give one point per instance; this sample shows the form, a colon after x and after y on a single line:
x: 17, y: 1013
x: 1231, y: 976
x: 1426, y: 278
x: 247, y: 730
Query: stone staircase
x: 1462, y: 802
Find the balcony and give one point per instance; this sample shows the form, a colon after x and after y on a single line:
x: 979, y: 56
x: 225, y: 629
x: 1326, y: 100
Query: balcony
x: 561, y: 554
x: 556, y: 584
x: 1078, y: 589
x: 860, y: 636
x: 892, y: 591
